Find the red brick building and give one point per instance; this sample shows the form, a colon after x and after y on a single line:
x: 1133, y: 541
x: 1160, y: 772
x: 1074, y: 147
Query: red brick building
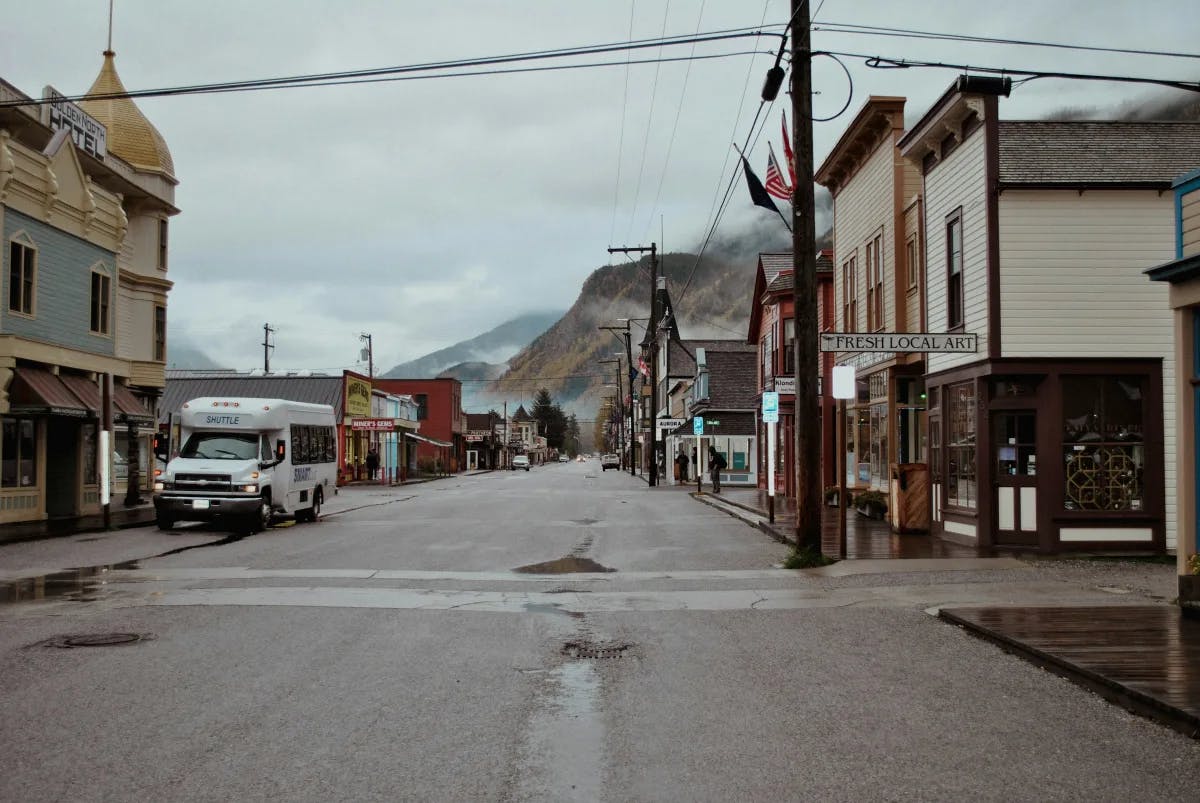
x: 772, y: 330
x: 442, y: 436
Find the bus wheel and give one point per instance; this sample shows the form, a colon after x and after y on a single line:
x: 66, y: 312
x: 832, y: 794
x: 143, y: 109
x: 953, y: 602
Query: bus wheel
x: 311, y: 513
x: 259, y: 520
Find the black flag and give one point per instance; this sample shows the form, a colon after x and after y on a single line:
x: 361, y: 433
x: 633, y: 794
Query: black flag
x: 758, y: 193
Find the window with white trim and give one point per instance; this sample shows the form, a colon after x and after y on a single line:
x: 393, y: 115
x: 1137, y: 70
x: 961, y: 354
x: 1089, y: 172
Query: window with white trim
x: 22, y: 275
x: 101, y: 302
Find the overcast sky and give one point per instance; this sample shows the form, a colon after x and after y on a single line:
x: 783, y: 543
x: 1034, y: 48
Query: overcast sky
x: 426, y: 212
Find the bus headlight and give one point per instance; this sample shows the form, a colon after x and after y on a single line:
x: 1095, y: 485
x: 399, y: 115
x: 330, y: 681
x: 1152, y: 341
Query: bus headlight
x: 160, y: 486
x: 250, y: 489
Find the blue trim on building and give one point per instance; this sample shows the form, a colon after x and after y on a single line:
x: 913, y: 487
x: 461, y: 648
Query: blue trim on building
x: 1188, y: 182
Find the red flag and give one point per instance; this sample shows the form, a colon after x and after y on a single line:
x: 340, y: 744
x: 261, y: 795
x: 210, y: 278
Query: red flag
x: 787, y: 152
x: 775, y: 183
x: 645, y: 369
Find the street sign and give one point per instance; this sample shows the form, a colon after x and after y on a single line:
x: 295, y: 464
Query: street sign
x: 671, y: 423
x: 698, y: 425
x: 770, y: 407
x: 900, y: 341
x: 785, y: 384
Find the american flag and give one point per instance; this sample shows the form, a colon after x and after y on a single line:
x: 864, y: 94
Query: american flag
x: 787, y: 152
x: 775, y: 183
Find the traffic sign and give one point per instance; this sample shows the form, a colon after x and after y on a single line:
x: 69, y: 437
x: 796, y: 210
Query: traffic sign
x: 698, y: 425
x: 770, y: 407
x: 671, y: 423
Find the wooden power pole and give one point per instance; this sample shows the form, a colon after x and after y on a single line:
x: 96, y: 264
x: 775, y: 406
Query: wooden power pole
x: 807, y: 413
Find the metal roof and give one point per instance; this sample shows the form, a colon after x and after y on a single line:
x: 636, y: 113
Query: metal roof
x: 311, y: 389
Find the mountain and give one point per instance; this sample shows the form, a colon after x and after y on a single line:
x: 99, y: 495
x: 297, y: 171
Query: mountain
x: 181, y: 354
x: 711, y: 299
x: 493, y: 346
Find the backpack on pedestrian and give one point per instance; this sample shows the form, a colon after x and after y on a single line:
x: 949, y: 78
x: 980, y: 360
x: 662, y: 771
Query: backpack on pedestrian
x: 720, y: 462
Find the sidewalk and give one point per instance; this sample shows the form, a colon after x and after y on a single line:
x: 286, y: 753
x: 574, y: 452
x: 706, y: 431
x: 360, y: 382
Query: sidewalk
x: 866, y: 539
x: 1141, y: 657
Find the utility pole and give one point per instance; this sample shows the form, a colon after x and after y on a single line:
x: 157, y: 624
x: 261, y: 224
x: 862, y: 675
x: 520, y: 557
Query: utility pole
x: 629, y: 375
x: 267, y: 346
x: 620, y: 407
x: 652, y: 333
x: 807, y: 411
x: 370, y: 354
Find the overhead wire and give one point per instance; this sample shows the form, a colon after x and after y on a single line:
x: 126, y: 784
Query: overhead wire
x: 612, y: 229
x: 637, y: 191
x: 344, y: 77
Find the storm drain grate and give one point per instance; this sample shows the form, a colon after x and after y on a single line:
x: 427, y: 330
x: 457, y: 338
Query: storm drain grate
x: 576, y: 649
x: 96, y: 640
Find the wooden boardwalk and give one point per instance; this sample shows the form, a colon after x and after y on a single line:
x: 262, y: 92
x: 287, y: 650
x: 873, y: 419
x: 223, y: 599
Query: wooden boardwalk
x: 1144, y: 657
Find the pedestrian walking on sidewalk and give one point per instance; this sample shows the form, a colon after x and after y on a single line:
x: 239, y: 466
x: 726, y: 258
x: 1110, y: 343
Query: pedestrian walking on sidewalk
x: 372, y: 462
x: 682, y: 461
x: 716, y: 464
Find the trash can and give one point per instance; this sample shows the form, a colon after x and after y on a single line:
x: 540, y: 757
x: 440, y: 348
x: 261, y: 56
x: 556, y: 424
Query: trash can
x: 910, y: 497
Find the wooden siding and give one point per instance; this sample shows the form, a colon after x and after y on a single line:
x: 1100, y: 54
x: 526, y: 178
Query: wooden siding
x: 1190, y: 222
x: 62, y: 295
x: 1072, y: 285
x: 913, y: 306
x: 958, y: 181
x: 864, y: 210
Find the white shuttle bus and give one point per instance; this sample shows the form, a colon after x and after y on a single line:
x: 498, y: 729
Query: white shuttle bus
x: 245, y: 461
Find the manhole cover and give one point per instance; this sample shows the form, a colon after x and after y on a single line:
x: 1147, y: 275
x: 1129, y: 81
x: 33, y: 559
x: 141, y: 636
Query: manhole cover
x: 578, y: 649
x: 96, y: 640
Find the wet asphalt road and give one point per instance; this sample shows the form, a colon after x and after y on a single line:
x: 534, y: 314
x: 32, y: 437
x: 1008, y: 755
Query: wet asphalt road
x: 389, y: 652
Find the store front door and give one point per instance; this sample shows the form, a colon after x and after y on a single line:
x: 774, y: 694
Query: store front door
x: 62, y: 470
x: 1014, y: 445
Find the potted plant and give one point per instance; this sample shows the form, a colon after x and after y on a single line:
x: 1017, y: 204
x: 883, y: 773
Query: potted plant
x: 872, y: 504
x: 831, y: 495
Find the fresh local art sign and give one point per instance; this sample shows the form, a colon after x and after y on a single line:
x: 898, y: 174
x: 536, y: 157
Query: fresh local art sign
x: 899, y: 341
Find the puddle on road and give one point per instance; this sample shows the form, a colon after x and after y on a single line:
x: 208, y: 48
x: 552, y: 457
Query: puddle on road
x: 564, y: 751
x: 553, y: 608
x: 78, y: 585
x: 572, y: 564
x: 84, y: 584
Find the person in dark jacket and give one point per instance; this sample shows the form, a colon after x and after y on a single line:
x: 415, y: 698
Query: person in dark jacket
x: 716, y: 464
x: 682, y: 461
x: 372, y: 463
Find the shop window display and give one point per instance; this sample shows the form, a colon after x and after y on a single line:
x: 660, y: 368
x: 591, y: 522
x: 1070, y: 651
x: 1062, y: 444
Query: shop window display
x: 1103, y: 452
x: 961, y: 485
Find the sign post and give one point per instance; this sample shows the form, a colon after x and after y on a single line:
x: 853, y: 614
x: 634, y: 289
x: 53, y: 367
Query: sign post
x: 698, y: 431
x: 770, y: 417
x: 843, y: 388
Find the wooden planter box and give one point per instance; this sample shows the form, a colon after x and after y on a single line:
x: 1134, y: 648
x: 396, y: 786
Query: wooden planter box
x: 1189, y: 595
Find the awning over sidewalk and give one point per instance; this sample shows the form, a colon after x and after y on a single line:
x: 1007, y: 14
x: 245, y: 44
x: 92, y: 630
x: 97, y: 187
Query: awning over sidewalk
x: 126, y: 406
x: 36, y: 391
x: 719, y: 424
x: 423, y: 439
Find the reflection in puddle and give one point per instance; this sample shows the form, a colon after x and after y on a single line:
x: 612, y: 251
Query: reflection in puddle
x: 571, y: 564
x: 80, y: 585
x: 564, y: 751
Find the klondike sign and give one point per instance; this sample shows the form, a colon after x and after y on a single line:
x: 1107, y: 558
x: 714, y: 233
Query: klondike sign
x: 959, y: 342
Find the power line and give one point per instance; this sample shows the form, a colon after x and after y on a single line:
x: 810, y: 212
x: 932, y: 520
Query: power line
x: 399, y: 72
x: 612, y: 229
x: 649, y: 125
x: 909, y: 33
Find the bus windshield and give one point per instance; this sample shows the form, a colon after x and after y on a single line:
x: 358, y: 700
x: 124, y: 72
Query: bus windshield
x: 221, y: 446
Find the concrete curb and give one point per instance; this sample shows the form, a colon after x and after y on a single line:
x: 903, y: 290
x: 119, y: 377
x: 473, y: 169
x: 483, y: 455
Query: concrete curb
x: 744, y: 514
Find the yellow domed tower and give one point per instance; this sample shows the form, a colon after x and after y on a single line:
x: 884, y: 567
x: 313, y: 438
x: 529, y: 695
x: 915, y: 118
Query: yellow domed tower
x: 130, y: 135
